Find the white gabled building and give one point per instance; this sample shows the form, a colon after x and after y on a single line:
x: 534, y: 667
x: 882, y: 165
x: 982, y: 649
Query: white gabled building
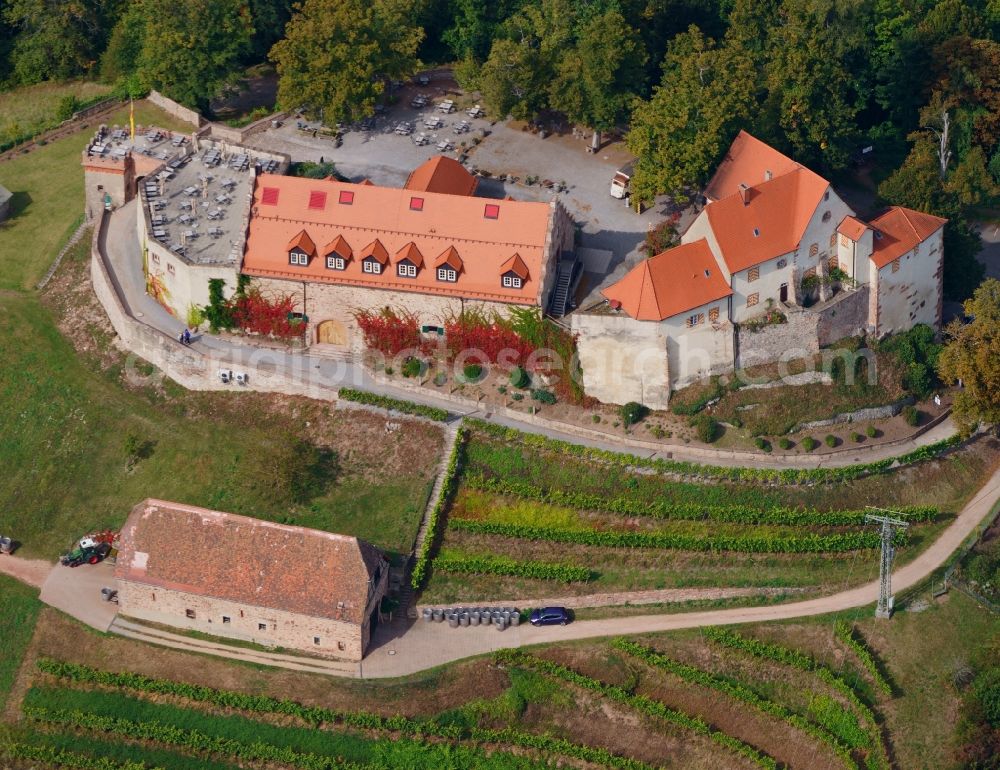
x: 773, y: 235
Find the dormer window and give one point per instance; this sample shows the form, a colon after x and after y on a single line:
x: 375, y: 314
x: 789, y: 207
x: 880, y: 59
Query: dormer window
x: 447, y: 274
x: 301, y: 249
x: 335, y: 262
x: 406, y: 270
x: 408, y: 261
x: 374, y: 258
x: 338, y: 252
x: 511, y: 281
x: 369, y: 265
x: 296, y: 257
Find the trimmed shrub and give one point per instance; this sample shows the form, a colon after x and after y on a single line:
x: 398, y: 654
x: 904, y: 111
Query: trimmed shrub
x: 809, y: 443
x: 543, y: 396
x: 871, y: 431
x: 706, y: 427
x: 632, y: 412
x: 762, y: 444
x: 501, y: 565
x: 856, y: 437
x: 830, y: 440
x: 912, y: 415
x: 412, y: 367
x: 785, y: 443
x: 519, y: 378
x: 472, y: 372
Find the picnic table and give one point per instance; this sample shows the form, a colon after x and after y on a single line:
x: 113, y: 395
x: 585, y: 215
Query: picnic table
x: 159, y: 232
x: 419, y: 101
x: 462, y: 127
x: 421, y: 139
x: 475, y: 111
x: 444, y: 145
x: 404, y: 129
x: 448, y: 105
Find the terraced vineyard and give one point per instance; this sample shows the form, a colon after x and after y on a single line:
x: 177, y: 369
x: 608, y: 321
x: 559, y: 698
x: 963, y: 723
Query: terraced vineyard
x: 532, y: 518
x: 679, y: 714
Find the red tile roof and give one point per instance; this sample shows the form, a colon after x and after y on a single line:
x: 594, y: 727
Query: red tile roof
x: 384, y: 213
x: 442, y: 175
x: 303, y: 242
x: 340, y: 247
x: 898, y: 230
x: 852, y: 227
x: 248, y: 561
x: 747, y: 162
x: 771, y: 224
x: 672, y: 282
x: 411, y: 254
x: 376, y: 250
x: 516, y: 266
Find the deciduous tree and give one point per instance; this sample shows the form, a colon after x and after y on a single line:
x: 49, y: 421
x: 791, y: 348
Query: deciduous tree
x: 337, y: 55
x: 972, y: 355
x: 54, y: 41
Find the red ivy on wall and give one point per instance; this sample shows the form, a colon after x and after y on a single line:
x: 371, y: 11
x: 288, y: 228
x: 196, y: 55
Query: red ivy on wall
x: 256, y: 314
x: 465, y: 333
x: 390, y: 332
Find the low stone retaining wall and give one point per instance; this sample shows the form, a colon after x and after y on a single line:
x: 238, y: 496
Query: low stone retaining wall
x: 178, y: 111
x: 859, y: 415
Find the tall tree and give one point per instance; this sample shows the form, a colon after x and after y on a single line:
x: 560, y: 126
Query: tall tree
x: 598, y: 78
x: 191, y: 47
x: 818, y: 77
x: 512, y: 80
x: 54, y: 41
x: 972, y: 355
x: 337, y: 55
x: 680, y: 133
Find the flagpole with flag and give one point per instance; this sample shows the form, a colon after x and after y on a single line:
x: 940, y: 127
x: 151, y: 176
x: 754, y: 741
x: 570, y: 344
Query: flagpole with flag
x: 131, y: 119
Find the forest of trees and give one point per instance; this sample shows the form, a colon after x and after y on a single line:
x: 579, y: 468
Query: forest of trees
x: 919, y: 79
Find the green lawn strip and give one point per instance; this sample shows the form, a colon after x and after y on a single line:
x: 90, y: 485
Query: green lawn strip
x: 665, y: 509
x: 114, y: 753
x: 786, y: 476
x: 786, y: 656
x: 640, y: 703
x: 395, y: 404
x: 737, y: 691
x: 848, y: 635
x: 317, y: 716
x: 19, y: 606
x: 453, y: 561
x: 807, y: 543
x: 433, y: 531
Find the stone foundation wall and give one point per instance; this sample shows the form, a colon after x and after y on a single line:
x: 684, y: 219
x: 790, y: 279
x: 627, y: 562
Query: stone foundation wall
x: 176, y: 110
x: 156, y: 604
x: 767, y: 344
x: 846, y: 315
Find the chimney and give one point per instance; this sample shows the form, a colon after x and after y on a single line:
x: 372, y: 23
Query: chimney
x: 768, y: 176
x: 745, y: 193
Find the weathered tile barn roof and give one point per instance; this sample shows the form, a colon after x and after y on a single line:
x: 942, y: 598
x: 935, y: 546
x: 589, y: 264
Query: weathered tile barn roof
x: 248, y: 561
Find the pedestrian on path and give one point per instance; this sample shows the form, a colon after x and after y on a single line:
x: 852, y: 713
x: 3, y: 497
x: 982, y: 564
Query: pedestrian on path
x: 187, y: 336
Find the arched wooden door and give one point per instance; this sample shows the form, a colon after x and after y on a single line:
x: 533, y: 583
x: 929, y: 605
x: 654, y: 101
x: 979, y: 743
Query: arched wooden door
x: 331, y: 333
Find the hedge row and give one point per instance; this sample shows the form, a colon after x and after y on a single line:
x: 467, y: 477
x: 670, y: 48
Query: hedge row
x: 192, y: 740
x: 448, y: 485
x: 810, y: 543
x: 501, y: 565
x: 803, y: 662
x: 783, y: 475
x: 640, y: 703
x: 739, y: 692
x: 316, y: 715
x: 395, y: 404
x: 846, y: 635
x: 664, y: 509
x: 60, y: 758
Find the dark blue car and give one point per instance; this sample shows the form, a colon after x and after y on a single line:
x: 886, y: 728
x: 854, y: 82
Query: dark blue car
x: 550, y: 616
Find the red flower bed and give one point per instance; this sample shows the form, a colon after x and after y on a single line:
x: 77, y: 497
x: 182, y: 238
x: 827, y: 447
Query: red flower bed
x: 254, y: 313
x: 389, y: 333
x: 489, y: 339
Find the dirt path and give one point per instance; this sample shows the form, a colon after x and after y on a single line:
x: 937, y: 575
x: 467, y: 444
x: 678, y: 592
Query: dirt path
x: 30, y: 571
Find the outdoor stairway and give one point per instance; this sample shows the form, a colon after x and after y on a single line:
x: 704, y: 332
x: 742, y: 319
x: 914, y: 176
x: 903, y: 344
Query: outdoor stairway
x: 565, y: 273
x: 450, y: 437
x: 150, y: 635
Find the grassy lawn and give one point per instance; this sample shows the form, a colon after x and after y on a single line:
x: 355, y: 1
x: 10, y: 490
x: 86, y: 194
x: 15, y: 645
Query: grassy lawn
x: 34, y: 108
x: 19, y: 605
x: 48, y: 198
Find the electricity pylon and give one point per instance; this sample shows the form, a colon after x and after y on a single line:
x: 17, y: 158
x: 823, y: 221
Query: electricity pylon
x: 885, y: 598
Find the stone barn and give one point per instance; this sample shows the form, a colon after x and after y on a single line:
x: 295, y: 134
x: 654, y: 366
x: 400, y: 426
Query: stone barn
x: 243, y: 578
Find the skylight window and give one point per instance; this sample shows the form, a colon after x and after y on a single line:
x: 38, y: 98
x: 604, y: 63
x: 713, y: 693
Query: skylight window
x: 317, y: 200
x: 269, y: 196
x: 346, y: 197
x: 491, y: 211
x: 416, y: 204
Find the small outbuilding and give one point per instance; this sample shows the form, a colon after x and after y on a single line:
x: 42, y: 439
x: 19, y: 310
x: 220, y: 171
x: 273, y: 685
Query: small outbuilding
x: 243, y: 578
